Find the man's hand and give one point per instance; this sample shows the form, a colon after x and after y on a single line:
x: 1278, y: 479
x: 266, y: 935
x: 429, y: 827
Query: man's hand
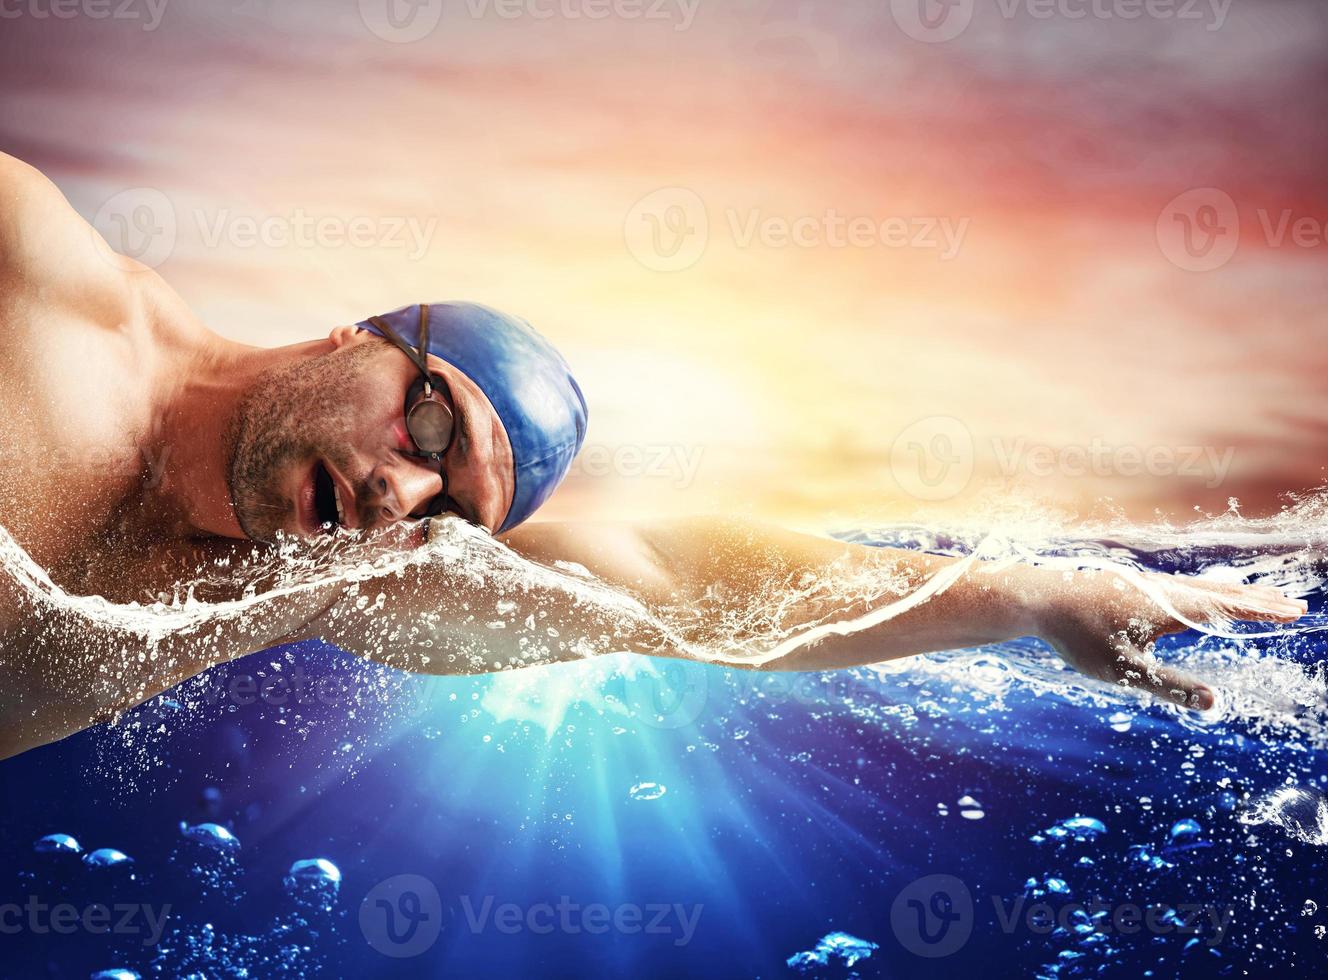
x: 1105, y: 627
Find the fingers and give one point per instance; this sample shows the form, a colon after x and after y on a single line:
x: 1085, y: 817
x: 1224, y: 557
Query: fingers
x: 1205, y: 601
x: 1134, y: 668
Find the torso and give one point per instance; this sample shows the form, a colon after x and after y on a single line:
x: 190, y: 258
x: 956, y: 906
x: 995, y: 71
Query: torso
x: 77, y: 463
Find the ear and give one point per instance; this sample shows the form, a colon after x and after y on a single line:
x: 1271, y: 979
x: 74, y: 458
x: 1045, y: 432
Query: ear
x: 348, y: 336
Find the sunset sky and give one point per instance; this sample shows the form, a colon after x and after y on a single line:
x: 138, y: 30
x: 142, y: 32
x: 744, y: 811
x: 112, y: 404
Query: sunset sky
x: 808, y: 260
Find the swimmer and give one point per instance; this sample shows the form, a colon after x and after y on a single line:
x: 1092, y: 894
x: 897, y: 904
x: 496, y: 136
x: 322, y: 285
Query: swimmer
x: 140, y: 447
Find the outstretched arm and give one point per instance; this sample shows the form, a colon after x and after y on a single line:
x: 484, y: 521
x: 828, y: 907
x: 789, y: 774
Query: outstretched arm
x: 740, y: 593
x: 752, y: 595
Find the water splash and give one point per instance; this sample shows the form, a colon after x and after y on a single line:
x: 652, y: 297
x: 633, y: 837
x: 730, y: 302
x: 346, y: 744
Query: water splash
x: 1266, y: 693
x: 1301, y: 811
x: 837, y: 947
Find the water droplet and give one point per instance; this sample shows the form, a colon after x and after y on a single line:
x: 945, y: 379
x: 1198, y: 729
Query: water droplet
x: 313, y: 883
x: 106, y: 857
x: 1036, y: 889
x: 1310, y: 907
x: 57, y: 844
x: 210, y: 835
x: 1074, y: 828
x: 838, y: 946
x: 1142, y: 854
x: 117, y: 974
x: 971, y: 809
x: 1120, y: 721
x: 1184, y: 828
x: 316, y: 870
x: 647, y: 791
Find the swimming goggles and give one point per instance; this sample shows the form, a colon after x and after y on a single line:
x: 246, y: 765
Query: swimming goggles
x: 430, y: 415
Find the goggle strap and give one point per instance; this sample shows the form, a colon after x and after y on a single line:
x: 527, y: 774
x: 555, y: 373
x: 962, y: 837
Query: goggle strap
x: 424, y: 345
x: 396, y: 338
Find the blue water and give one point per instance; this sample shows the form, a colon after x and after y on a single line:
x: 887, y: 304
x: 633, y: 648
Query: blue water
x: 608, y: 820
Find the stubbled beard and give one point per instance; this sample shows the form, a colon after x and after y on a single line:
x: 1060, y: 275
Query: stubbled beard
x: 291, y: 415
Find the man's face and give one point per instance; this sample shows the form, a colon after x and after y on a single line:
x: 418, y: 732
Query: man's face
x: 322, y: 442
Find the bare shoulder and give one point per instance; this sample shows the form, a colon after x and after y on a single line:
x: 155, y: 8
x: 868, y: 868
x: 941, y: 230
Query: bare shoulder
x: 655, y: 558
x: 34, y: 215
x: 50, y: 256
x: 617, y: 552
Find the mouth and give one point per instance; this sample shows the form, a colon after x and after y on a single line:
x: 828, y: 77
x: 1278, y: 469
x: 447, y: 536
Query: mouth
x: 323, y: 508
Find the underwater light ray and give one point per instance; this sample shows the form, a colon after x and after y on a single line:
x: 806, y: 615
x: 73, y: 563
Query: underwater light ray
x: 774, y: 784
x: 604, y: 769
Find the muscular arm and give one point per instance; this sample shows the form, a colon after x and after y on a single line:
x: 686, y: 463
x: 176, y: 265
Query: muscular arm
x: 744, y: 594
x: 752, y: 595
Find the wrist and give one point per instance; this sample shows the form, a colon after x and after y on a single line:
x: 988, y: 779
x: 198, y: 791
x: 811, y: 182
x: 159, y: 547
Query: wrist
x: 1038, y: 595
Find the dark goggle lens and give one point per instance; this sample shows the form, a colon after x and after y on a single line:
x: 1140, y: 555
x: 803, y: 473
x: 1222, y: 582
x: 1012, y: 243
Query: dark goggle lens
x: 429, y: 423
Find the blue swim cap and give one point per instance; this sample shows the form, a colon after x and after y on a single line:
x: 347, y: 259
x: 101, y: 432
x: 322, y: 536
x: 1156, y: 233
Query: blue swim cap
x: 526, y: 380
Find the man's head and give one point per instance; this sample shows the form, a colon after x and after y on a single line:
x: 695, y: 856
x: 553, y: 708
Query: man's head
x: 323, y: 441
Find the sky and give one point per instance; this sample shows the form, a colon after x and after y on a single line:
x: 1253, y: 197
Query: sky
x: 821, y: 262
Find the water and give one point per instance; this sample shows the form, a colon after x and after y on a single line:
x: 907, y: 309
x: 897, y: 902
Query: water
x: 764, y: 824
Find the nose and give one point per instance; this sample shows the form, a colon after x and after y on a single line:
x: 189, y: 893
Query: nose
x: 401, y: 487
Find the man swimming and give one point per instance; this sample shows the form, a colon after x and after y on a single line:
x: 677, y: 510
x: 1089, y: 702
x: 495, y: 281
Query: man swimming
x: 142, y: 450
